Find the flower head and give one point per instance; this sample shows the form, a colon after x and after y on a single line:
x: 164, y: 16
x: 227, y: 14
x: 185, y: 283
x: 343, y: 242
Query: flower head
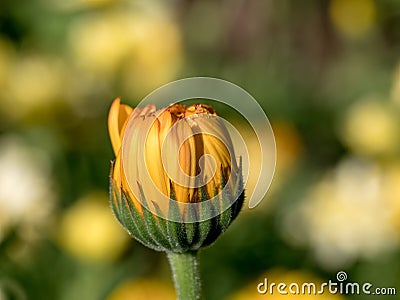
x: 175, y: 174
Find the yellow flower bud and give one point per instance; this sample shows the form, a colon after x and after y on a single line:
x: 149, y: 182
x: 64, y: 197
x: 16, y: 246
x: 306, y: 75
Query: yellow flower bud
x: 180, y: 153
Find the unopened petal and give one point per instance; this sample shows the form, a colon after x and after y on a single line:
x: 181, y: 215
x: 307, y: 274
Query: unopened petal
x: 218, y: 144
x: 116, y: 175
x: 117, y: 117
x: 182, y: 162
x: 154, y: 163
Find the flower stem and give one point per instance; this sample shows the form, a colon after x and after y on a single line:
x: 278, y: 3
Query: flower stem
x: 185, y: 271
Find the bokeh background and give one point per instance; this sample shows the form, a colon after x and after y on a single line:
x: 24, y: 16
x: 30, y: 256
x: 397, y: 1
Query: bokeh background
x: 327, y: 73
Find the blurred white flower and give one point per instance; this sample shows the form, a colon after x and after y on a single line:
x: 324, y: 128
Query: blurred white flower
x: 347, y: 214
x: 26, y: 193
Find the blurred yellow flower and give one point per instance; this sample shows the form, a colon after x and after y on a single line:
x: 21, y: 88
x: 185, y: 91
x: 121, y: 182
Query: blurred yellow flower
x: 7, y: 56
x: 88, y: 231
x: 371, y: 127
x: 288, y: 145
x: 34, y: 83
x: 100, y: 42
x: 156, y: 55
x: 287, y: 277
x: 254, y: 151
x: 79, y: 4
x: 353, y: 18
x: 143, y: 289
x: 391, y: 190
x: 395, y: 92
x: 145, y: 47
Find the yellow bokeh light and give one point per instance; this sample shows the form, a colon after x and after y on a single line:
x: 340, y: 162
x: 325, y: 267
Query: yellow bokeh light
x: 100, y: 42
x: 33, y: 83
x: 145, y: 48
x: 156, y: 57
x: 353, y: 18
x: 395, y: 92
x: 80, y: 4
x: 371, y: 128
x: 392, y: 193
x: 6, y: 60
x: 89, y: 231
x: 143, y: 289
x: 288, y: 145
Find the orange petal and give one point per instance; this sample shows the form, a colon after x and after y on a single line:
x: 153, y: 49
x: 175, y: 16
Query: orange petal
x: 154, y: 159
x: 116, y: 176
x: 218, y: 144
x: 117, y: 117
x: 131, y: 196
x: 120, y: 182
x: 181, y: 162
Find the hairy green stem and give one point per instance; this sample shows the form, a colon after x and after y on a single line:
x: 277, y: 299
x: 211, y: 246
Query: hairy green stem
x: 185, y: 272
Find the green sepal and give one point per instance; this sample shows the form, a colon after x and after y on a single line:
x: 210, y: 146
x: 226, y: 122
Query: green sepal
x: 175, y: 229
x: 215, y: 229
x: 162, y: 224
x: 238, y: 192
x: 152, y: 224
x: 128, y: 216
x: 114, y: 197
x: 191, y: 227
x: 206, y: 210
x: 114, y: 194
x: 182, y: 234
x: 134, y: 224
x: 225, y: 203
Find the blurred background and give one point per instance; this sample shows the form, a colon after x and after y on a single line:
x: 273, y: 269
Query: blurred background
x: 327, y: 73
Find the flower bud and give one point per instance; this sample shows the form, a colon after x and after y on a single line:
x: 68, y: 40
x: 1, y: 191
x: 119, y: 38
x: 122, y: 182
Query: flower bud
x: 175, y: 184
